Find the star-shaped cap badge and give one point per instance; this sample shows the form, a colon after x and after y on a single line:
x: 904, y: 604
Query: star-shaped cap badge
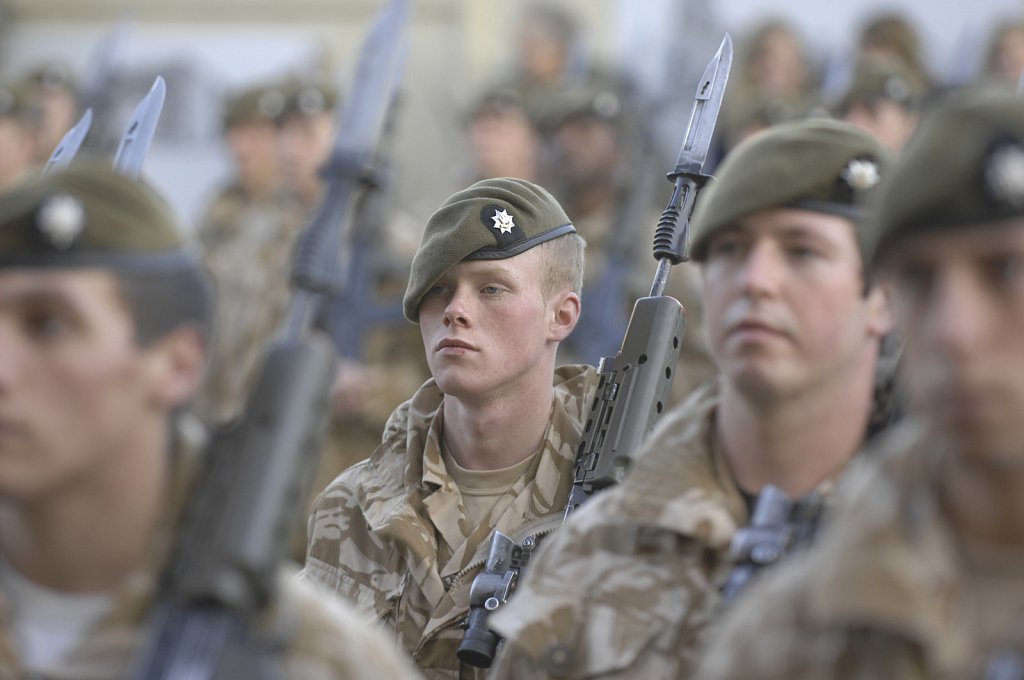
x: 503, y: 221
x: 61, y: 219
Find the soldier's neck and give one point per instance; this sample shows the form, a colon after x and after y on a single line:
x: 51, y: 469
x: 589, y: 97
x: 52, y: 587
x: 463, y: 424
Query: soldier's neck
x: 795, y: 442
x: 88, y: 533
x: 497, y: 432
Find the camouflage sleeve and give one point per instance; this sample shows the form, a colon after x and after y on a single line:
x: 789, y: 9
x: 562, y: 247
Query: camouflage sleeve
x: 772, y: 632
x: 334, y: 642
x: 606, y: 600
x: 344, y: 555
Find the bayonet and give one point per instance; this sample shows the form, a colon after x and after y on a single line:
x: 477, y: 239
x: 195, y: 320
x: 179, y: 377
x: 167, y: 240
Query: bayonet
x: 69, y: 144
x: 672, y: 242
x: 138, y: 135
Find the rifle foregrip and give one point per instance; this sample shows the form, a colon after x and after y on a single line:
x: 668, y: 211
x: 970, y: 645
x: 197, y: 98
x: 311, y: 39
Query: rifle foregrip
x: 632, y: 392
x: 238, y: 525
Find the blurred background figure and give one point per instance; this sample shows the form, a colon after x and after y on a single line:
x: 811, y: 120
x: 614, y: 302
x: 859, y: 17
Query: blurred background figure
x: 503, y: 139
x: 307, y: 132
x: 603, y: 172
x: 53, y: 89
x: 891, y: 36
x: 246, y: 235
x: 19, y: 134
x: 773, y: 81
x: 884, y: 99
x: 1004, y: 58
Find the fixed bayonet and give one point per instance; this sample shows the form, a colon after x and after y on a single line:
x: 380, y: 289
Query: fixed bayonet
x: 358, y: 123
x: 672, y: 241
x: 69, y: 144
x: 138, y: 135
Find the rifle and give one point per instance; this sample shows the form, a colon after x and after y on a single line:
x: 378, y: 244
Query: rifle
x: 634, y: 385
x: 222, y: 570
x: 778, y: 525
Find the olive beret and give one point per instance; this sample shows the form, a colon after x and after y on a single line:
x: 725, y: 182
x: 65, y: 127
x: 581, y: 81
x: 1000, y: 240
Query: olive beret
x: 257, y: 104
x: 965, y: 165
x: 16, y: 101
x: 889, y: 80
x: 585, y: 100
x: 493, y: 219
x: 89, y: 215
x: 817, y: 164
x: 309, y: 99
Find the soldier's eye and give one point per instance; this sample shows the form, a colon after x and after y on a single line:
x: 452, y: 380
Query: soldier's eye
x: 725, y: 246
x: 46, y: 325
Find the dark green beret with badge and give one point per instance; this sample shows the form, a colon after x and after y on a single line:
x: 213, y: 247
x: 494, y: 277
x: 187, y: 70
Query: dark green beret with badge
x: 92, y: 216
x: 255, y: 105
x: 820, y: 165
x: 965, y: 165
x: 494, y: 219
x: 309, y: 99
x: 884, y: 80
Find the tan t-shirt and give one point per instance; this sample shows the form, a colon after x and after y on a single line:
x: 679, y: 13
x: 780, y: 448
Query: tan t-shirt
x: 481, y: 489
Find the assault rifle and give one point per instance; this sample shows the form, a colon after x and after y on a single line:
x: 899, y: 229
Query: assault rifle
x: 222, y: 573
x: 634, y: 385
x: 778, y: 525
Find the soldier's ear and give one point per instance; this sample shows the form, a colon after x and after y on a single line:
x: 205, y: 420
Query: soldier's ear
x: 564, y: 310
x: 880, y: 320
x: 176, y: 364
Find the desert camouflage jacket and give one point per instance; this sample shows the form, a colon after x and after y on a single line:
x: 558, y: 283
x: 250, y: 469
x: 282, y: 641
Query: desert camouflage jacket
x: 624, y: 588
x: 390, y: 533
x: 310, y: 634
x: 884, y: 594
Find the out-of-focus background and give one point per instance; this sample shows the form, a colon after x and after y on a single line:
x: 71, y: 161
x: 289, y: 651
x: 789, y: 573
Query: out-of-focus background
x: 208, y: 49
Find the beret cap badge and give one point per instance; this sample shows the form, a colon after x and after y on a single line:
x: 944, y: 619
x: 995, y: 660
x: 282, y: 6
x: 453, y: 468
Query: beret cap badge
x: 1004, y: 174
x: 61, y: 219
x: 503, y: 221
x: 861, y: 174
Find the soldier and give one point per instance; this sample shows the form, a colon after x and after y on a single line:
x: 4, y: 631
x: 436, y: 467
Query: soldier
x: 19, y: 134
x: 251, y: 220
x: 628, y: 586
x: 307, y: 132
x: 53, y: 89
x: 884, y: 99
x: 104, y: 318
x: 503, y: 138
x: 919, y: 574
x: 487, y: 443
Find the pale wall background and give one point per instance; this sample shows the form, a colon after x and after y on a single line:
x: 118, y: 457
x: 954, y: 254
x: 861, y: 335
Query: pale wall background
x: 207, y: 47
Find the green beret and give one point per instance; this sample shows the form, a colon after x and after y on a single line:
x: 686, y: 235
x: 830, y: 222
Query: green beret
x: 255, y: 105
x: 309, y: 99
x: 89, y: 215
x: 16, y: 101
x: 817, y: 164
x: 586, y: 100
x: 889, y: 80
x: 965, y: 165
x: 56, y: 75
x: 493, y: 219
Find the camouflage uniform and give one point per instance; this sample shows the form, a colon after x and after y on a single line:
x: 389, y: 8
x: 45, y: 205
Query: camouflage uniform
x: 390, y: 533
x: 628, y: 587
x: 886, y: 594
x: 246, y: 246
x: 311, y: 634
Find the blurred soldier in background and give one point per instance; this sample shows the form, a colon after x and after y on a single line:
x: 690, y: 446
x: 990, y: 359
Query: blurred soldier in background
x: 1004, y: 58
x: 246, y: 235
x: 19, y: 134
x: 53, y: 89
x: 884, y: 99
x: 503, y: 137
x: 306, y: 135
x: 889, y: 36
